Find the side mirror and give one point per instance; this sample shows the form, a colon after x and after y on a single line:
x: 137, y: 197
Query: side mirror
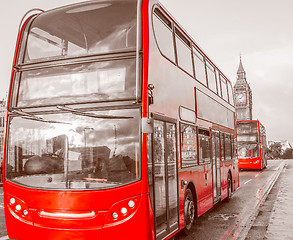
x: 147, y: 125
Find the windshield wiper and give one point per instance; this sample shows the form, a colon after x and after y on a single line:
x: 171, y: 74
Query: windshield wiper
x: 33, y: 117
x: 93, y: 115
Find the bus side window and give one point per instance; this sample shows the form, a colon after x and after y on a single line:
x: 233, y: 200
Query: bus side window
x: 164, y: 34
x: 234, y: 148
x: 204, y: 151
x: 230, y: 92
x: 199, y: 66
x: 211, y: 77
x: 228, y: 147
x: 224, y: 88
x: 222, y: 139
x: 184, y: 59
x: 188, y: 146
x: 219, y: 83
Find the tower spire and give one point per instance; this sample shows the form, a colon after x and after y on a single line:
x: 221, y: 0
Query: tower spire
x: 241, y: 72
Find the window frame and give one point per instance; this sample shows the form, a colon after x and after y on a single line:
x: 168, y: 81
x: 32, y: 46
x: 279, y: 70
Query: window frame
x: 230, y: 93
x: 21, y: 54
x: 229, y: 138
x: 224, y: 81
x: 178, y: 35
x: 200, y: 58
x: 207, y: 134
x: 222, y: 144
x: 169, y: 24
x: 196, y: 163
x: 210, y: 67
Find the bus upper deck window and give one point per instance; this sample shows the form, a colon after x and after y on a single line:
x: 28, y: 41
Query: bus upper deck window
x: 200, y: 73
x: 224, y: 88
x: 164, y: 34
x: 76, y: 31
x: 211, y: 77
x: 183, y: 52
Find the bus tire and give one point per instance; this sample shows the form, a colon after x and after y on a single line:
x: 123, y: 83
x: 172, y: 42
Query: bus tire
x: 189, y: 211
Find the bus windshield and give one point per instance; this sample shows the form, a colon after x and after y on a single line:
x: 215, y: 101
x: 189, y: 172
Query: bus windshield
x: 247, y: 127
x: 93, y: 31
x: 247, y: 139
x: 84, y: 82
x: 74, y: 150
x: 248, y: 150
x: 82, y: 29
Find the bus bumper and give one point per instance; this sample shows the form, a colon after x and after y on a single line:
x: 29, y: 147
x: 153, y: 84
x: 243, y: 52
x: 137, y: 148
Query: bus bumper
x: 251, y: 163
x: 138, y: 225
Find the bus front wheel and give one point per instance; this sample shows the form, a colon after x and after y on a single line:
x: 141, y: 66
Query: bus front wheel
x: 189, y: 211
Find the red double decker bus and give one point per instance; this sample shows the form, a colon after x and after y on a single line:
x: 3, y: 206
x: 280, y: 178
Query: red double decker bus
x: 251, y: 140
x: 118, y: 126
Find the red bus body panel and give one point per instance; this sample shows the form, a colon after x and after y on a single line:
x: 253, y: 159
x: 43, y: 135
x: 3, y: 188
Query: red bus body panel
x: 97, y: 226
x: 250, y: 163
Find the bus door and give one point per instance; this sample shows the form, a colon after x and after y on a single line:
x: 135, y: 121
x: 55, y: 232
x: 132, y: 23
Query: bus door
x: 164, y: 182
x: 216, y: 165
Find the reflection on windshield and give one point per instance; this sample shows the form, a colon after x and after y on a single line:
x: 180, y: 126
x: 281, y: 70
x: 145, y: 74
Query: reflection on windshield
x: 87, y: 114
x: 89, y: 153
x: 247, y: 138
x: 247, y: 127
x: 248, y: 150
x: 82, y: 29
x: 85, y: 82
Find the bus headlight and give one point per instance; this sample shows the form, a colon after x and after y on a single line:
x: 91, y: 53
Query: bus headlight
x: 122, y: 210
x: 115, y: 215
x: 131, y: 204
x: 17, y: 207
x: 25, y: 212
x: 12, y: 201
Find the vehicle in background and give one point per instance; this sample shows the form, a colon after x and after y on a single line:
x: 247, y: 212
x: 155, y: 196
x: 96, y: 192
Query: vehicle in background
x: 251, y: 140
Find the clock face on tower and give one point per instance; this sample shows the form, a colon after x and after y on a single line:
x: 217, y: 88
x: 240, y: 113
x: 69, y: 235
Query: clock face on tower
x: 241, y: 98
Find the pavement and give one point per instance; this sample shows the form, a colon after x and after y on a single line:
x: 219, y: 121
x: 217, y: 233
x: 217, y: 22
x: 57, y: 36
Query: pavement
x: 280, y: 223
x: 275, y: 215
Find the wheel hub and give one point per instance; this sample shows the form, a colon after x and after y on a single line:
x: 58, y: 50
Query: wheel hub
x: 189, y: 211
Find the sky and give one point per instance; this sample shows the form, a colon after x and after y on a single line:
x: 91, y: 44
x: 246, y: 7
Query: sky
x: 259, y: 30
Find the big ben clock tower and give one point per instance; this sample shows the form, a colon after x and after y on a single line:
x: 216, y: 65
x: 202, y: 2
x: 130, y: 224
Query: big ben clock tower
x: 243, y: 95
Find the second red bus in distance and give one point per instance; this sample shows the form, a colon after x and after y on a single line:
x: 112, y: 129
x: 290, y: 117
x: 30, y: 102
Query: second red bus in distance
x: 251, y: 140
